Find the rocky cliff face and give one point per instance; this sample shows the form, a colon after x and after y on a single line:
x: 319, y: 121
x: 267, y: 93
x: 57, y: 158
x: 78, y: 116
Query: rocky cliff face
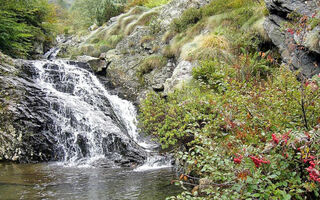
x: 23, y: 114
x: 294, y: 27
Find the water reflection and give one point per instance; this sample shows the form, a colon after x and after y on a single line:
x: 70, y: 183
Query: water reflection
x: 51, y: 181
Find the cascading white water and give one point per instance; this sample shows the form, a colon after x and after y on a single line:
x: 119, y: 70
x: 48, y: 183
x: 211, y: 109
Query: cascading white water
x: 87, y: 121
x: 52, y: 53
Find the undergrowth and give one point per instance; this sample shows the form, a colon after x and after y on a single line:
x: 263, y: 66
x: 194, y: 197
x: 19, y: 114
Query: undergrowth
x: 245, y: 127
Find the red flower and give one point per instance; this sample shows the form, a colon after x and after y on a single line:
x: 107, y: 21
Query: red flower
x: 313, y: 173
x: 275, y: 139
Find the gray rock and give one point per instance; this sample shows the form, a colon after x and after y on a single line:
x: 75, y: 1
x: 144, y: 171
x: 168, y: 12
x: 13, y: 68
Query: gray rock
x: 182, y: 74
x: 22, y: 115
x: 96, y: 64
x: 299, y: 51
x: 283, y: 7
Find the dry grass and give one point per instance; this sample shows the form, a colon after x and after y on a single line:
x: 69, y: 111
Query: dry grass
x: 127, y: 20
x: 214, y: 41
x: 146, y: 39
x: 168, y: 36
x: 142, y: 20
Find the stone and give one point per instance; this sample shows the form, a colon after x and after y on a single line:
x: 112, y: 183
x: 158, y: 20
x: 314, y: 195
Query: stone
x: 182, y: 74
x: 96, y: 64
x: 299, y: 51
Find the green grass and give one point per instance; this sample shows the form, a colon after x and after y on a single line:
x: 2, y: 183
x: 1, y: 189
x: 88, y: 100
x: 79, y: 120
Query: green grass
x: 150, y: 63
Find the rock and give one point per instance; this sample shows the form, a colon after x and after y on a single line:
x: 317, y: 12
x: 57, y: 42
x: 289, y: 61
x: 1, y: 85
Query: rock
x: 299, y: 49
x: 22, y: 115
x: 93, y: 27
x: 312, y: 40
x: 181, y: 74
x: 96, y: 64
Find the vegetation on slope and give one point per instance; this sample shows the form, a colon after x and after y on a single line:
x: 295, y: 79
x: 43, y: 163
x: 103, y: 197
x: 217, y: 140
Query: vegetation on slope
x: 245, y: 127
x: 24, y: 22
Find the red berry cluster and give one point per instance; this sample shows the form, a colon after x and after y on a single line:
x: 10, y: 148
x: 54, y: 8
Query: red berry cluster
x: 275, y: 139
x: 284, y: 138
x: 238, y: 159
x: 258, y: 161
x: 313, y: 173
x: 291, y: 31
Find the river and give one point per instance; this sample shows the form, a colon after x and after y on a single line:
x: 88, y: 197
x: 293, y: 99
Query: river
x: 55, y: 181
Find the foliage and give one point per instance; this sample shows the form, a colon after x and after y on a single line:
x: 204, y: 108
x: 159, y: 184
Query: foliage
x: 242, y: 120
x: 226, y: 131
x: 96, y: 11
x: 22, y: 23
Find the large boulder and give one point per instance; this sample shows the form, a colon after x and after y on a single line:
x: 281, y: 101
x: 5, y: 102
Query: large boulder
x: 292, y: 27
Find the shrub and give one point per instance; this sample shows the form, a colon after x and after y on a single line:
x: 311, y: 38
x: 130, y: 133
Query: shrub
x: 245, y: 139
x: 210, y: 74
x: 95, y: 11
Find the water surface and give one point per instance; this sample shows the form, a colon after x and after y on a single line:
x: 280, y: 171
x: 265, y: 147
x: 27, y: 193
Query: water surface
x: 53, y: 181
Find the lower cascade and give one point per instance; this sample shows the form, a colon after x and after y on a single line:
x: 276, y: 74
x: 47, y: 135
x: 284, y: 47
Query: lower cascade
x: 88, y: 126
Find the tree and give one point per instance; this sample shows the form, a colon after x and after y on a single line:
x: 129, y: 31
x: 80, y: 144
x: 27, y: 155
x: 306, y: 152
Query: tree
x: 22, y: 22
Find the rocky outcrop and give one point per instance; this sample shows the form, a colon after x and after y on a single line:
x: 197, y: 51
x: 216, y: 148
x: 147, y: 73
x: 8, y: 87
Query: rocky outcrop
x: 23, y: 114
x: 124, y: 62
x: 293, y: 26
x: 126, y: 42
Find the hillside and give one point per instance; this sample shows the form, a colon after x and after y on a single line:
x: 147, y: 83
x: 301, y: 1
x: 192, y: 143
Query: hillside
x: 230, y: 88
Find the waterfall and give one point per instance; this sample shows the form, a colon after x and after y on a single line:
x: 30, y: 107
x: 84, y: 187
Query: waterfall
x: 89, y: 125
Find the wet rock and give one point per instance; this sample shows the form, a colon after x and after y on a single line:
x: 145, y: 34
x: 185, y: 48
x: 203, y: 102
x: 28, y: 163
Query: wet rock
x: 22, y: 115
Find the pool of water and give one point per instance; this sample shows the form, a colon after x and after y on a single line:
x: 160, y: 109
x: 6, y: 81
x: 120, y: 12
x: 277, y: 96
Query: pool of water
x: 54, y: 181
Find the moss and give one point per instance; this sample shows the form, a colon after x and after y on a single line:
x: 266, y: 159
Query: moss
x: 155, y: 3
x: 147, y: 3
